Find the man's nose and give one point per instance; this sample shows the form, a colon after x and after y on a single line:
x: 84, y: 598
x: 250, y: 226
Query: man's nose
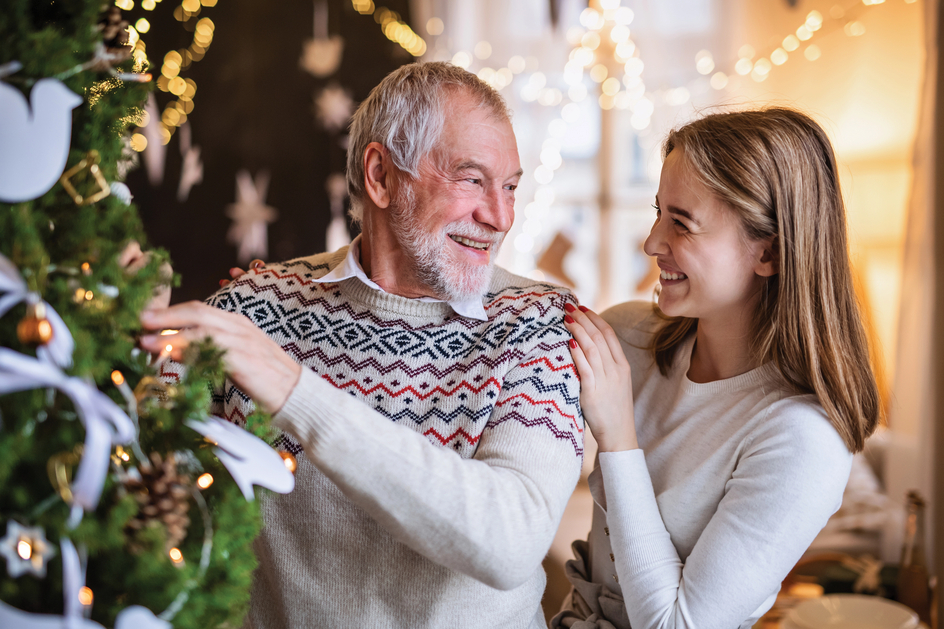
x: 497, y: 210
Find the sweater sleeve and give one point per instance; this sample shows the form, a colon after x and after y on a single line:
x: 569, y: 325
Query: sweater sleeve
x: 787, y: 483
x: 491, y: 517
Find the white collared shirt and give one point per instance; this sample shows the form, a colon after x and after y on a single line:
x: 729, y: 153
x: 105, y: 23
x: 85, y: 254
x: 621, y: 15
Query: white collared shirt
x: 351, y: 267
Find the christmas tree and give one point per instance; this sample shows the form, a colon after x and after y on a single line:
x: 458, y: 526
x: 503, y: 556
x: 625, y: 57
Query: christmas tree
x: 116, y: 490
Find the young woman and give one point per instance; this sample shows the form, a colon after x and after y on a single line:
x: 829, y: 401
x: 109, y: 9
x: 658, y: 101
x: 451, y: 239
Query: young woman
x: 727, y: 417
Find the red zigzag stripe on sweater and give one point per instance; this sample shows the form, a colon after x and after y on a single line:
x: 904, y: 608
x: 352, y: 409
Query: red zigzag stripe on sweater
x: 534, y: 402
x: 444, y: 440
x: 409, y: 389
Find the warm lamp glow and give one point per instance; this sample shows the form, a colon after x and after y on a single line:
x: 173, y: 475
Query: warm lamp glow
x: 175, y: 555
x: 24, y: 549
x: 117, y: 378
x: 204, y: 481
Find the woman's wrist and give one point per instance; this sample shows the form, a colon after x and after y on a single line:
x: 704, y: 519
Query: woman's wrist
x: 616, y: 443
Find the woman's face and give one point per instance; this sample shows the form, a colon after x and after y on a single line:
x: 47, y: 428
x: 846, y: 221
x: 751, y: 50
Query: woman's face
x: 711, y: 271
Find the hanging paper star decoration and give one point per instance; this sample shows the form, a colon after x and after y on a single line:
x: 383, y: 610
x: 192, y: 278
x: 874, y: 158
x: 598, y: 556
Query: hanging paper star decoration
x: 251, y: 216
x: 26, y: 549
x: 333, y: 108
x: 321, y: 55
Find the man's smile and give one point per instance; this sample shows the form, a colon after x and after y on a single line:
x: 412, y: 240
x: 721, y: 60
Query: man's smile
x: 472, y: 244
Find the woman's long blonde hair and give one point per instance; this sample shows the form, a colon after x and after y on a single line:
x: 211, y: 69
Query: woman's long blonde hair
x: 776, y: 169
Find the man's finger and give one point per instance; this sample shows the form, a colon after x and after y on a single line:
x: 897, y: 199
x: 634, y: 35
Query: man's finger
x: 186, y: 315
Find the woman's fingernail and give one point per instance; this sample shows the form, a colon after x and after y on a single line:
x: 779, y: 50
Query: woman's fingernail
x: 568, y: 319
x: 573, y: 344
x: 255, y: 264
x: 569, y: 307
x: 583, y: 309
x: 224, y: 282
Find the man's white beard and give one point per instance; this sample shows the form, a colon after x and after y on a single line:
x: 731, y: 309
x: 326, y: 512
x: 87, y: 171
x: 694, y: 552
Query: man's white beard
x: 446, y: 277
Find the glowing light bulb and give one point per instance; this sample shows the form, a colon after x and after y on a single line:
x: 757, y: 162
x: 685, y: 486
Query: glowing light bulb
x: 204, y: 481
x: 434, y: 26
x: 117, y: 378
x: 85, y: 596
x: 719, y: 80
x: 24, y: 549
x: 175, y: 555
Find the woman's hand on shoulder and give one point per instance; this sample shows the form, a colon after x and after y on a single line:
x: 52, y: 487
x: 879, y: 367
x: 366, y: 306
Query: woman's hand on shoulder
x: 606, y: 386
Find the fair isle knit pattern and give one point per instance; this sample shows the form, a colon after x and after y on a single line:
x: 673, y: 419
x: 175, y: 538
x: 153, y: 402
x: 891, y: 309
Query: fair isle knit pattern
x: 465, y: 542
x: 442, y: 379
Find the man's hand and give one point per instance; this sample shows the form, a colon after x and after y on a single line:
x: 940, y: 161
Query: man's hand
x: 132, y: 260
x: 253, y: 361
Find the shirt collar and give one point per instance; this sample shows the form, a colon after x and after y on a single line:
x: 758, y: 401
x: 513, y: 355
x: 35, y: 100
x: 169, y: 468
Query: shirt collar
x: 351, y: 267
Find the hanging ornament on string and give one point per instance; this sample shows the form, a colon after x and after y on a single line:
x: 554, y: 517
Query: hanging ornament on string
x: 251, y: 216
x: 337, y: 235
x: 155, y: 153
x: 552, y: 260
x: 34, y: 328
x: 333, y: 108
x: 191, y: 173
x: 87, y: 166
x: 321, y: 54
x: 34, y: 138
x: 42, y: 326
x: 115, y: 39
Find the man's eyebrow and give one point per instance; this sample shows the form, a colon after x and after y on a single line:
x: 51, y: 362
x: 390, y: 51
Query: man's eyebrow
x: 472, y: 165
x: 469, y: 165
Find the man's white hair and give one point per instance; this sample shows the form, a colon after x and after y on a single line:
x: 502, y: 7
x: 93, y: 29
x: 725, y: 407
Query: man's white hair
x: 405, y: 114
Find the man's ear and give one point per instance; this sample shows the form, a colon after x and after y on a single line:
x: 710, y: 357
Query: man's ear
x: 377, y: 175
x: 769, y: 262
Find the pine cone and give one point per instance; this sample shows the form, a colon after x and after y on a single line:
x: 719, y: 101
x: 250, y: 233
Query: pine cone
x: 115, y: 38
x: 164, y: 497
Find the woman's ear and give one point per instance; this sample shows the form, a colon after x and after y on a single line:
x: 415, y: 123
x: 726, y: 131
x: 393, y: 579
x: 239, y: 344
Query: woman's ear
x: 377, y: 174
x: 768, y: 264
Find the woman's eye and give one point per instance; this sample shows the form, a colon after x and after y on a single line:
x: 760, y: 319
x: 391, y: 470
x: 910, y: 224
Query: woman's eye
x: 679, y: 224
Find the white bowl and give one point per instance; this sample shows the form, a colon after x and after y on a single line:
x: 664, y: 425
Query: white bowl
x: 850, y: 611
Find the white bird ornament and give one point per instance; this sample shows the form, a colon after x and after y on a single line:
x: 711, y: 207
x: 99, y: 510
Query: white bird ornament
x: 34, y: 138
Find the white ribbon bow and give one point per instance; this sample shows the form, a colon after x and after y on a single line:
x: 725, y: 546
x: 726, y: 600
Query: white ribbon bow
x: 105, y: 423
x: 59, y: 349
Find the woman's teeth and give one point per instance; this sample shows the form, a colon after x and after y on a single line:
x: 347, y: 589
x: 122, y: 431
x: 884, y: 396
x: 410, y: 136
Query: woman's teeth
x: 672, y: 276
x: 470, y: 243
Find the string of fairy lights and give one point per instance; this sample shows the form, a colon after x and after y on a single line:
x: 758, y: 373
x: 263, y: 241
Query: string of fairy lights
x: 170, y: 81
x: 603, y: 43
x: 393, y: 26
x: 759, y: 66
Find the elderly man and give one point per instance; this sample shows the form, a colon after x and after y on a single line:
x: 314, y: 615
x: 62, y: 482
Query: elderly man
x: 432, y: 393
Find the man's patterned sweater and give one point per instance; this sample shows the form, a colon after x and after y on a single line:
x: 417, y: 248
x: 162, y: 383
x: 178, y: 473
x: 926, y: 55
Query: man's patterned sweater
x: 439, y: 451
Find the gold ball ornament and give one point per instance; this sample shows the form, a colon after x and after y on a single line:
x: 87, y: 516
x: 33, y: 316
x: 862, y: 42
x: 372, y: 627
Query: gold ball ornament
x: 289, y: 459
x: 35, y: 328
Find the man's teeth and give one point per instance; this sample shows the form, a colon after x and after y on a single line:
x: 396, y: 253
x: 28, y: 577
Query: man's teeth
x: 470, y: 243
x: 672, y: 276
